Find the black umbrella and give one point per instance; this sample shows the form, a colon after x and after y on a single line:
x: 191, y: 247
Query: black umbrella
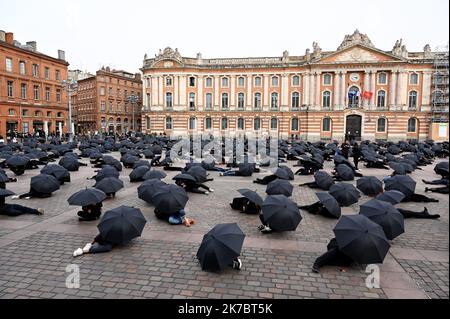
x: 57, y: 171
x: 109, y: 185
x: 393, y: 196
x: 246, y: 169
x: 3, y: 177
x: 442, y: 168
x: 220, y: 246
x: 345, y: 194
x: 199, y: 173
x: 280, y: 187
x: 70, y: 163
x: 107, y: 171
x: 152, y: 174
x: 402, y: 183
x: 170, y: 199
x: 398, y: 168
x: 330, y: 203
x: 385, y: 215
x: 281, y: 173
x: 251, y: 196
x: 45, y: 184
x: 6, y: 192
x: 369, y: 185
x: 148, y: 188
x: 17, y: 160
x: 121, y: 224
x: 345, y: 172
x: 141, y: 163
x: 323, y: 180
x: 138, y: 173
x: 280, y: 213
x: 88, y: 196
x: 361, y: 239
x: 184, y: 177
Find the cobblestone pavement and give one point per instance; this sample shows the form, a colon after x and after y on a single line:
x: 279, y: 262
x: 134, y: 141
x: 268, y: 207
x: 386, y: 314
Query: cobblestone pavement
x: 35, y: 250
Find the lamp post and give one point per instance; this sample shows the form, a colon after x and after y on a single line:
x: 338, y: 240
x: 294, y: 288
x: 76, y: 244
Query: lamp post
x: 133, y: 99
x: 70, y: 85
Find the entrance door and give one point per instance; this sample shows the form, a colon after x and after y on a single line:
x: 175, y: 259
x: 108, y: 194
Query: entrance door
x: 353, y: 127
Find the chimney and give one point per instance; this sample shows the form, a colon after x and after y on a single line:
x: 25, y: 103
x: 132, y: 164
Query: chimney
x: 33, y: 45
x: 61, y: 55
x: 137, y: 76
x: 9, y: 38
x: 2, y: 35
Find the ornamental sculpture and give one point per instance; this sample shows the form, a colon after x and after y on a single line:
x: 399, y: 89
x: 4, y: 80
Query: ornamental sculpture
x: 355, y: 38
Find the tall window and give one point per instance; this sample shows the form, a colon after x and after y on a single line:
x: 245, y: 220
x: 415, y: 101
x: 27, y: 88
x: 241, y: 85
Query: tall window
x: 382, y: 78
x: 381, y: 98
x: 47, y: 94
x: 224, y: 123
x: 414, y: 79
x: 257, y: 124
x: 224, y: 100
x: 148, y: 82
x: 147, y: 122
x: 119, y: 107
x: 103, y: 106
x: 47, y: 73
x: 295, y: 80
x: 191, y: 81
x: 118, y: 93
x: 273, y: 123
x: 258, y: 81
x: 25, y: 127
x: 111, y: 91
x: 191, y: 101
x: 295, y: 100
x: 274, y: 81
x: 294, y: 124
x: 412, y: 99
x: 208, y: 100
x: 36, y: 92
x: 326, y: 124
x: 192, y: 123
x: 23, y: 91
x: 208, y: 123
x: 241, y: 101
x: 169, y: 123
x: 9, y: 65
x: 208, y: 82
x: 327, y: 79
x: 412, y: 123
x: 148, y: 101
x: 240, y: 123
x: 224, y: 82
x: 22, y: 67
x: 111, y: 107
x: 168, y: 81
x: 326, y: 99
x: 10, y: 88
x: 58, y: 75
x: 35, y: 70
x: 168, y: 100
x: 257, y: 100
x: 58, y: 95
x: 102, y: 90
x: 274, y: 101
x: 381, y: 124
x: 241, y: 81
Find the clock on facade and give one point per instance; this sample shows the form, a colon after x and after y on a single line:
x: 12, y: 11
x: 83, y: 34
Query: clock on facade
x: 354, y: 77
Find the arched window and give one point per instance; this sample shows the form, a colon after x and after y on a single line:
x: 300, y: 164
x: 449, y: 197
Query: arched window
x: 241, y: 101
x: 168, y: 81
x: 11, y: 112
x: 326, y: 124
x: 224, y: 100
x: 273, y: 123
x: 257, y: 100
x: 168, y: 100
x: 327, y: 79
x: 224, y: 82
x: 111, y: 121
x: 274, y: 81
x: 224, y: 123
x: 381, y: 98
x: 59, y: 114
x: 38, y: 114
x: 49, y: 114
x: 191, y: 101
x: 192, y: 81
x: 414, y: 79
x: 208, y: 82
x: 382, y: 78
x: 326, y: 99
x: 381, y: 124
x: 208, y: 123
x: 412, y: 125
x: 240, y: 123
x: 208, y: 101
x: 294, y: 124
x: 295, y: 80
x: 257, y: 124
x: 147, y: 122
x: 274, y: 101
x: 241, y: 81
x: 295, y: 100
x: 258, y: 81
x: 412, y: 100
x: 169, y: 124
x: 192, y: 123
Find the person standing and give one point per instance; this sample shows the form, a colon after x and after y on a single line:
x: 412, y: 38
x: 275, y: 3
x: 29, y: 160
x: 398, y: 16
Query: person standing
x: 356, y: 150
x: 345, y: 149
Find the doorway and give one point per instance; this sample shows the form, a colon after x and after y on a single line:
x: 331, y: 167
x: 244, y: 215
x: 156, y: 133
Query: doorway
x: 353, y: 127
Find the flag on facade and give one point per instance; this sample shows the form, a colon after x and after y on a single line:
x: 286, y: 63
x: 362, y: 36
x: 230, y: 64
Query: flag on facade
x: 367, y: 95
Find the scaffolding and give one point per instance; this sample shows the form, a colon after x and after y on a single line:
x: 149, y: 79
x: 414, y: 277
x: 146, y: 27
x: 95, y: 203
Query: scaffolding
x: 440, y: 82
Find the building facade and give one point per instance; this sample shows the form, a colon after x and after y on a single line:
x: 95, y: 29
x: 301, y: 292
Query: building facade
x: 32, y: 98
x: 356, y: 90
x: 105, y: 103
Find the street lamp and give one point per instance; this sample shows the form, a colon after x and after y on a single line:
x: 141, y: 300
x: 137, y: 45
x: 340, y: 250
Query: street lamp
x: 69, y: 86
x: 133, y: 99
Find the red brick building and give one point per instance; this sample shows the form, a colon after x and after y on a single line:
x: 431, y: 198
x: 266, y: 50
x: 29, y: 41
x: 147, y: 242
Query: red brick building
x: 32, y: 98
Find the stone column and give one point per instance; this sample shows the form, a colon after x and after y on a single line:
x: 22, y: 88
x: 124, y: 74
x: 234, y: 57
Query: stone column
x: 305, y: 88
x: 426, y: 88
x: 367, y: 87
x: 402, y: 87
x: 183, y: 83
x: 249, y: 92
x: 312, y: 88
x: 216, y: 93
x: 318, y: 91
x: 393, y: 89
x: 233, y: 92
x: 284, y: 93
x: 160, y: 90
x: 336, y: 91
x: 266, y: 98
x: 199, y: 94
x: 155, y: 98
x: 176, y: 90
x: 373, y: 82
x: 343, y: 89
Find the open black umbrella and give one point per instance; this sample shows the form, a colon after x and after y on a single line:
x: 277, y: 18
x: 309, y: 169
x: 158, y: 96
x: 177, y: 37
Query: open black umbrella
x: 220, y: 246
x: 45, y: 184
x: 442, y: 168
x: 88, y: 196
x: 246, y: 169
x: 393, y: 196
x: 323, y: 180
x: 138, y: 173
x: 6, y: 192
x: 59, y: 172
x: 3, y: 177
x: 361, y: 239
x: 369, y: 185
x: 148, y: 188
x: 345, y: 172
x: 199, y: 173
x: 153, y: 174
x: 70, y: 163
x: 141, y: 163
x: 345, y: 194
x: 122, y: 224
x: 17, y: 160
x: 281, y: 173
x: 402, y: 183
x: 251, y: 196
x: 280, y: 187
x: 281, y: 213
x: 385, y: 215
x: 184, y: 177
x: 169, y: 199
x: 109, y: 185
x: 398, y: 168
x: 330, y: 203
x: 107, y: 171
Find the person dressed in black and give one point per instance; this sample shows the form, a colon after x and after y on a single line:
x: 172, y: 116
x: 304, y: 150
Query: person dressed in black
x: 266, y: 179
x: 32, y: 193
x: 310, y: 185
x: 356, y: 150
x: 90, y: 212
x: 99, y: 245
x: 376, y: 164
x: 317, y: 209
x: 443, y: 181
x: 441, y: 190
x: 422, y: 215
x: 17, y: 210
x: 18, y: 170
x: 245, y: 206
x: 345, y: 147
x: 194, y: 187
x: 419, y: 198
x: 333, y: 257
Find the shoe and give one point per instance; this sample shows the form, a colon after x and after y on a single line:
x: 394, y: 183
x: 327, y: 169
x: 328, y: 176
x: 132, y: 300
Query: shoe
x: 41, y: 211
x: 220, y: 174
x: 27, y: 198
x: 315, y: 269
x: 15, y: 197
x: 13, y: 179
x: 211, y: 190
x: 261, y: 227
x: 206, y: 193
x: 266, y: 230
x: 427, y: 189
x: 237, y: 264
x: 78, y: 252
x: 87, y: 248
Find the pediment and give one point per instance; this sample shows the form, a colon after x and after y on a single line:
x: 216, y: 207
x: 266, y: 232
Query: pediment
x: 167, y: 63
x: 358, y: 54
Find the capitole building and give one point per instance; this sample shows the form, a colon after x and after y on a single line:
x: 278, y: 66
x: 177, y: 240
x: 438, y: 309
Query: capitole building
x: 356, y: 90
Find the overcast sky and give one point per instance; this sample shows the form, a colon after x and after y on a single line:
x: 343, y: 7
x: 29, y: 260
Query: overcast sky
x: 118, y: 33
